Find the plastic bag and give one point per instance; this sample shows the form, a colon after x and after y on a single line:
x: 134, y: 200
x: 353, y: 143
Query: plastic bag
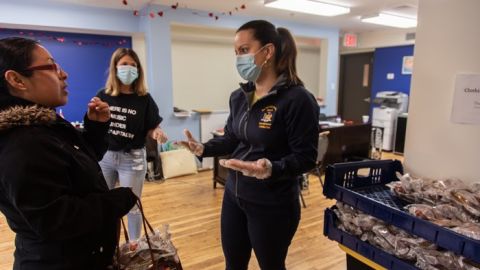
x: 471, y: 230
x: 137, y: 256
x: 153, y: 251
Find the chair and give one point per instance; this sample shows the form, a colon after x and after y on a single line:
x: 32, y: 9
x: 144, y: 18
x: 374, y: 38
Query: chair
x: 376, y: 143
x: 322, y: 147
x: 154, y: 164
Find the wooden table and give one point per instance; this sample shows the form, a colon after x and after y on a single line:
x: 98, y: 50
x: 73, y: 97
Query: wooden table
x: 347, y: 143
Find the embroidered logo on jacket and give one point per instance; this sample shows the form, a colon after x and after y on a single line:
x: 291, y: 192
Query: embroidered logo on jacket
x: 266, y: 120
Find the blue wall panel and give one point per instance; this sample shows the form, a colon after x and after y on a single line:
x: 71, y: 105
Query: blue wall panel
x: 389, y: 60
x: 84, y: 57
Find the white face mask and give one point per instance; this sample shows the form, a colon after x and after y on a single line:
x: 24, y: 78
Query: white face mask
x: 246, y: 67
x: 127, y: 74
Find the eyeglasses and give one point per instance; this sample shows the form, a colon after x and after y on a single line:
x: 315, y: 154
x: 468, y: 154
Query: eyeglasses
x: 56, y: 67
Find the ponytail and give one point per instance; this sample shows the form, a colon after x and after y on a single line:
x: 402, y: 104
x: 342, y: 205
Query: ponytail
x: 286, y: 57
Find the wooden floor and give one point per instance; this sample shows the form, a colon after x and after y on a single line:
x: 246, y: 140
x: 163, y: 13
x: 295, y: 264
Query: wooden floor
x: 192, y: 208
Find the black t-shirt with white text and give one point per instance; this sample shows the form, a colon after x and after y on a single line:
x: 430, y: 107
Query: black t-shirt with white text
x: 131, y: 117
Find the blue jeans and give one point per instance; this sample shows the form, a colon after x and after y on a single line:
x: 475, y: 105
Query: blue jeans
x: 129, y: 168
x: 267, y: 229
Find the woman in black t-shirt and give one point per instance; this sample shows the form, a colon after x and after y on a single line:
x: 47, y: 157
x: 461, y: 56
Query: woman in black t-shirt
x: 134, y: 116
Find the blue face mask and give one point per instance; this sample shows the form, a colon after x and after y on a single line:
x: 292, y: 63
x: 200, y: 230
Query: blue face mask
x: 127, y: 74
x: 246, y: 67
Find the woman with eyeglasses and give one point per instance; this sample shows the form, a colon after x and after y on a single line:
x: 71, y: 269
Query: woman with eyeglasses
x: 134, y: 118
x: 52, y: 191
x: 271, y: 136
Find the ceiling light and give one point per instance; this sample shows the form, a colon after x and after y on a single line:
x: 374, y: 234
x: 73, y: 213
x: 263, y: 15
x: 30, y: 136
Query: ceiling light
x: 391, y: 20
x: 308, y: 6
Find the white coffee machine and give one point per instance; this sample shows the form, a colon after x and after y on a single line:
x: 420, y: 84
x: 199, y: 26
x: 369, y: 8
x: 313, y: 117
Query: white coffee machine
x: 391, y: 104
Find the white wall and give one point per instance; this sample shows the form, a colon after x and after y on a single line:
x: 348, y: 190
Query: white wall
x: 385, y: 38
x: 446, y: 44
x: 203, y: 66
x: 308, y: 68
x: 204, y: 75
x: 54, y: 16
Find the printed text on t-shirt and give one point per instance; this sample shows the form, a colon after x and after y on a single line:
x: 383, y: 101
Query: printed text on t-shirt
x: 118, y: 128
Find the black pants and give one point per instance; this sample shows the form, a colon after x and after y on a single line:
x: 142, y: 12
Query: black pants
x: 268, y: 229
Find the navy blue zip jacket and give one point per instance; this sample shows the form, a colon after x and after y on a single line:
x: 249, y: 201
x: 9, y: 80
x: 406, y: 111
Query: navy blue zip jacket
x: 281, y: 127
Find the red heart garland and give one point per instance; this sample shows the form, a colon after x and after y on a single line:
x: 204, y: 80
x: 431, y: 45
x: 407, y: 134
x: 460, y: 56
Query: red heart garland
x: 176, y: 5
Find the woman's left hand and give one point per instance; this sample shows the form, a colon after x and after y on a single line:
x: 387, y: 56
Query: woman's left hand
x: 158, y: 135
x: 259, y: 169
x: 98, y: 110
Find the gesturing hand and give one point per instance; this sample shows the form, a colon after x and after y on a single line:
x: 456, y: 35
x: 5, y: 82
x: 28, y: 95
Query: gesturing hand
x: 191, y: 144
x: 260, y: 169
x: 159, y: 135
x: 98, y: 110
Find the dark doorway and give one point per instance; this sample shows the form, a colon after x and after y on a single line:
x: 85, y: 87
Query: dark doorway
x: 355, y: 85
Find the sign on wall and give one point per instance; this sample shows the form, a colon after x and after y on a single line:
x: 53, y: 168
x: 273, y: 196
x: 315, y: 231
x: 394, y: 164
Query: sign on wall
x: 466, y: 100
x: 350, y: 40
x: 407, y: 65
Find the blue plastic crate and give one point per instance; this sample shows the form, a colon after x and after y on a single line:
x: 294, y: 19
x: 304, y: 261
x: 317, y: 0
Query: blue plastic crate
x: 365, y: 249
x: 362, y: 185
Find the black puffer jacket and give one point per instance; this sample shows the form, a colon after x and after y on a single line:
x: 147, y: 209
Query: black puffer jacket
x: 282, y: 127
x: 52, y: 191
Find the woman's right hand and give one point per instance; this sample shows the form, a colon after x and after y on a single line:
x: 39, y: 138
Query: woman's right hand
x: 98, y: 110
x: 191, y: 143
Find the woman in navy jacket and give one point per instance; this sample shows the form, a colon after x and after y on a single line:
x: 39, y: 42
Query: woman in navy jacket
x: 52, y: 190
x: 271, y: 136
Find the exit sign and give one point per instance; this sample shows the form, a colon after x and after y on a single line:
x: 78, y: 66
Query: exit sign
x: 350, y: 40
